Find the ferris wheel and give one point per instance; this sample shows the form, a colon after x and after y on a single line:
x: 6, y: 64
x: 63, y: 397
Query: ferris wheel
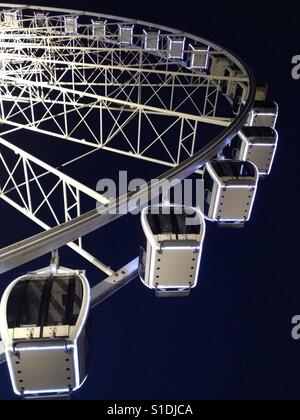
x: 130, y: 88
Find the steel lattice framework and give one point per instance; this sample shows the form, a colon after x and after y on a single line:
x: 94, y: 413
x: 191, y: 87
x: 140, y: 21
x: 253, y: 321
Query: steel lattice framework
x: 64, y: 76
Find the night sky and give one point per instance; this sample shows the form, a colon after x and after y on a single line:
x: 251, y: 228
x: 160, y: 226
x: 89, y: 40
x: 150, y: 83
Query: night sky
x: 232, y: 338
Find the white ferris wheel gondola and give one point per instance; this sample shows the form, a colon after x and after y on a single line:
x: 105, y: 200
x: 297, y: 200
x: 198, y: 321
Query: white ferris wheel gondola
x: 254, y: 144
x: 87, y: 79
x: 43, y: 325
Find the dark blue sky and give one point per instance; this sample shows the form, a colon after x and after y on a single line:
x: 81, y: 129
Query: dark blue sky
x: 232, y: 338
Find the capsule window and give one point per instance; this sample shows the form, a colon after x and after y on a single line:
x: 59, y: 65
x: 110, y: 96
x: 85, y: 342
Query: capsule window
x: 246, y: 169
x: 238, y: 98
x: 126, y: 34
x: 259, y: 132
x: 176, y: 47
x: 224, y: 83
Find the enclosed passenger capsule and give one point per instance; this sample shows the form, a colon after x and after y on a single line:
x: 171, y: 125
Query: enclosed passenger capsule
x: 239, y: 96
x: 170, y: 264
x: 219, y: 63
x: 230, y: 189
x: 264, y: 114
x: 254, y: 144
x: 99, y: 29
x: 151, y: 40
x: 71, y: 25
x: 261, y: 91
x: 240, y: 93
x: 230, y: 85
x: 126, y: 34
x: 43, y: 328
